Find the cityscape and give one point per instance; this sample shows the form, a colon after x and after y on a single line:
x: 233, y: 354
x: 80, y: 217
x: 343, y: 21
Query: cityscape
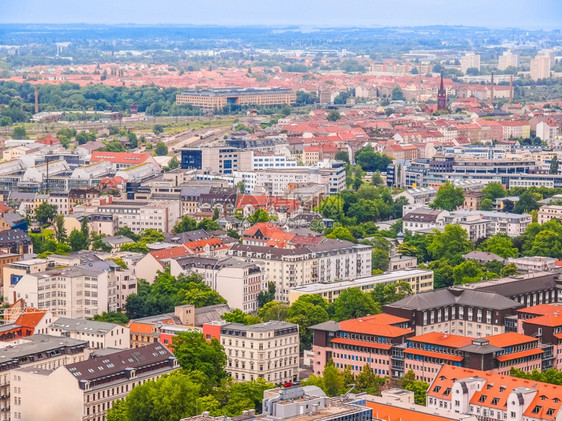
x: 306, y: 211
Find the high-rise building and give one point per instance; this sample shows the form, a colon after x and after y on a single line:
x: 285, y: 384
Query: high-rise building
x: 540, y: 67
x: 508, y: 59
x: 469, y: 61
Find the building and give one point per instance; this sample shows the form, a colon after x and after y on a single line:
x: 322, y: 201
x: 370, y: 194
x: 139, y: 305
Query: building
x: 122, y: 160
x: 441, y: 96
x: 35, y: 352
x: 141, y: 215
x: 423, y: 219
x: 86, y: 390
x: 533, y: 263
x: 375, y: 340
x: 219, y: 160
x: 98, y: 334
x: 488, y: 395
x: 267, y: 350
x: 420, y: 280
x: 470, y: 61
x: 548, y: 212
x: 457, y: 311
x: 508, y: 59
x: 217, y: 99
x: 237, y: 281
x: 540, y: 67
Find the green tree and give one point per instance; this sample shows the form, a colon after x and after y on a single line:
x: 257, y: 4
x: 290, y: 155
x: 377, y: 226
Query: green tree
x: 112, y: 317
x: 333, y: 379
x: 274, y: 310
x: 342, y: 156
x: 341, y: 233
x: 238, y: 316
x: 306, y: 311
x: 127, y: 232
x: 467, y: 272
x: 317, y: 226
x: 409, y: 382
x: 45, y: 213
x: 333, y: 116
x: 387, y: 294
x: 380, y: 259
x: 158, y: 129
x: 174, y: 163
x: 494, y: 191
x: 553, y: 165
x: 486, y: 205
x: 77, y: 240
x: 194, y: 353
x: 353, y: 303
x: 528, y: 202
x: 260, y: 215
x: 332, y: 207
x: 186, y: 224
x: 19, y: 133
x: 368, y: 382
x: 59, y: 229
x: 266, y: 296
x: 135, y: 248
x: 499, y: 244
x: 208, y: 225
x: 448, y: 197
x: 161, y: 149
x: 450, y: 244
x: 377, y: 179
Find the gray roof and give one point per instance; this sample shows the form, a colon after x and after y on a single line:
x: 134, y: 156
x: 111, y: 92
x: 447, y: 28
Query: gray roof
x: 423, y: 215
x: 329, y: 326
x: 517, y: 284
x: 451, y: 296
x: 260, y: 327
x: 210, y: 313
x: 116, y: 240
x: 483, y: 256
x: 186, y: 237
x: 67, y: 324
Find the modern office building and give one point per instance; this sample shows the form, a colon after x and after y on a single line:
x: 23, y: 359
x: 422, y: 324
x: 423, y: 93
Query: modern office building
x: 216, y: 99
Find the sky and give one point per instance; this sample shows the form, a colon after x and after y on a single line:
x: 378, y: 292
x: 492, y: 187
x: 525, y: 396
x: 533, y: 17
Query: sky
x: 545, y: 14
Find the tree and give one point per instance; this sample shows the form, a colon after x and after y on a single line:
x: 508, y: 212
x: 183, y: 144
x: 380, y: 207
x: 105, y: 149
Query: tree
x: 238, y: 316
x: 45, y: 213
x: 380, y: 259
x: 266, y: 296
x: 274, y: 310
x: 342, y: 156
x: 486, y: 205
x: 341, y: 233
x: 494, y: 191
x: 208, y: 225
x: 127, y: 232
x: 186, y: 224
x: 448, y: 197
x: 409, y: 382
x: 353, y: 303
x: 527, y: 203
x: 467, y: 273
x: 216, y: 214
x: 377, y: 179
x: 317, y: 226
x: 112, y: 317
x: 19, y: 133
x: 194, y: 353
x: 59, y: 229
x: 553, y: 165
x: 368, y: 382
x: 387, y: 294
x: 174, y: 163
x: 333, y: 116
x: 450, y: 244
x: 333, y: 380
x: 158, y: 129
x: 499, y: 244
x: 371, y: 161
x: 397, y: 94
x: 306, y: 311
x: 161, y: 149
x: 78, y: 241
x: 260, y: 215
x: 135, y: 248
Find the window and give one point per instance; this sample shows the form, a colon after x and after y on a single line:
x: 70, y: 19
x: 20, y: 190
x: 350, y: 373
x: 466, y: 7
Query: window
x: 536, y: 409
x: 483, y: 398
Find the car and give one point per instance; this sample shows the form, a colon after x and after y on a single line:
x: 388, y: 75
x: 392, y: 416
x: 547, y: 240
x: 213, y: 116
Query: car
x: 287, y: 384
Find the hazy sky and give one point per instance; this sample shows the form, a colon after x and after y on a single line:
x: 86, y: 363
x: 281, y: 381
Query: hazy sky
x: 545, y: 14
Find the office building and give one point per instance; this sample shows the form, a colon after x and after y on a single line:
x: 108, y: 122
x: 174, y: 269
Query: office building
x: 217, y: 99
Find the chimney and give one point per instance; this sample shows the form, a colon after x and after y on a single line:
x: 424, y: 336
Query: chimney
x: 492, y: 90
x: 510, y: 89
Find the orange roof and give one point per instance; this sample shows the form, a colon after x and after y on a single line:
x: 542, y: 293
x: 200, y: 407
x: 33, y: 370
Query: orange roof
x: 361, y: 343
x: 257, y: 201
x: 170, y: 253
x: 373, y: 325
x: 558, y: 335
x: 541, y: 309
x: 499, y: 386
x: 137, y: 327
x: 197, y: 246
x: 515, y: 355
x: 546, y: 320
x: 30, y: 317
x: 438, y: 355
x: 120, y: 157
x: 509, y: 339
x: 396, y: 413
x: 443, y: 339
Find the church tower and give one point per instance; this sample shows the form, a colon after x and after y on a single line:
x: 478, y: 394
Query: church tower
x: 441, y: 96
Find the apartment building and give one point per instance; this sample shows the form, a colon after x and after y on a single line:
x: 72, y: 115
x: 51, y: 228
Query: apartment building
x: 220, y: 160
x: 457, y: 311
x: 493, y: 396
x: 86, y: 390
x: 469, y: 61
x: 216, y: 99
x: 540, y: 67
x: 74, y: 291
x: 37, y: 352
x: 508, y: 59
x: 141, y: 215
x: 549, y: 212
x: 98, y: 334
x: 533, y: 263
x: 420, y: 280
x: 237, y: 281
x: 290, y: 268
x: 267, y: 350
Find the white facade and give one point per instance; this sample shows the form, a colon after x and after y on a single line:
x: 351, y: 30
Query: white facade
x: 138, y: 216
x: 97, y: 334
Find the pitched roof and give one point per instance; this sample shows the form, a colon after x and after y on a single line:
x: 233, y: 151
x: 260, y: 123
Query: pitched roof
x: 438, y: 355
x: 374, y: 325
x: 509, y: 339
x: 30, y: 317
x: 361, y: 343
x: 170, y: 253
x: 120, y: 157
x: 443, y: 339
x: 522, y: 354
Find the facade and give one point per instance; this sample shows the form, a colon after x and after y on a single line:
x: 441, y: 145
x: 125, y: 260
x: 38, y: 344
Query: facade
x: 216, y: 99
x: 533, y: 263
x: 267, y: 350
x: 540, y: 67
x: 470, y: 60
x: 508, y: 59
x: 549, y: 212
x: 138, y: 215
x: 98, y: 334
x: 420, y: 280
x: 220, y: 160
x: 86, y: 390
x: 493, y: 396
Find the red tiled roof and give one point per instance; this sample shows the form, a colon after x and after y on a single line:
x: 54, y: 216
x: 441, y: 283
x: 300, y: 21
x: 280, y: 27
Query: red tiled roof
x: 510, y: 339
x: 213, y: 243
x: 30, y: 317
x: 120, y: 157
x: 443, y: 339
x: 361, y: 343
x: 170, y: 253
x: 373, y: 325
x: 515, y: 355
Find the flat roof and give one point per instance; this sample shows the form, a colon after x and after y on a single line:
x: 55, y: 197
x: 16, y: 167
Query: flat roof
x: 359, y: 282
x: 235, y: 91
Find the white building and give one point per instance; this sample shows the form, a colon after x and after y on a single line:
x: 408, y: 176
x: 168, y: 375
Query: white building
x: 97, y: 334
x: 469, y: 61
x: 549, y: 212
x: 508, y: 59
x: 267, y: 350
x: 139, y: 215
